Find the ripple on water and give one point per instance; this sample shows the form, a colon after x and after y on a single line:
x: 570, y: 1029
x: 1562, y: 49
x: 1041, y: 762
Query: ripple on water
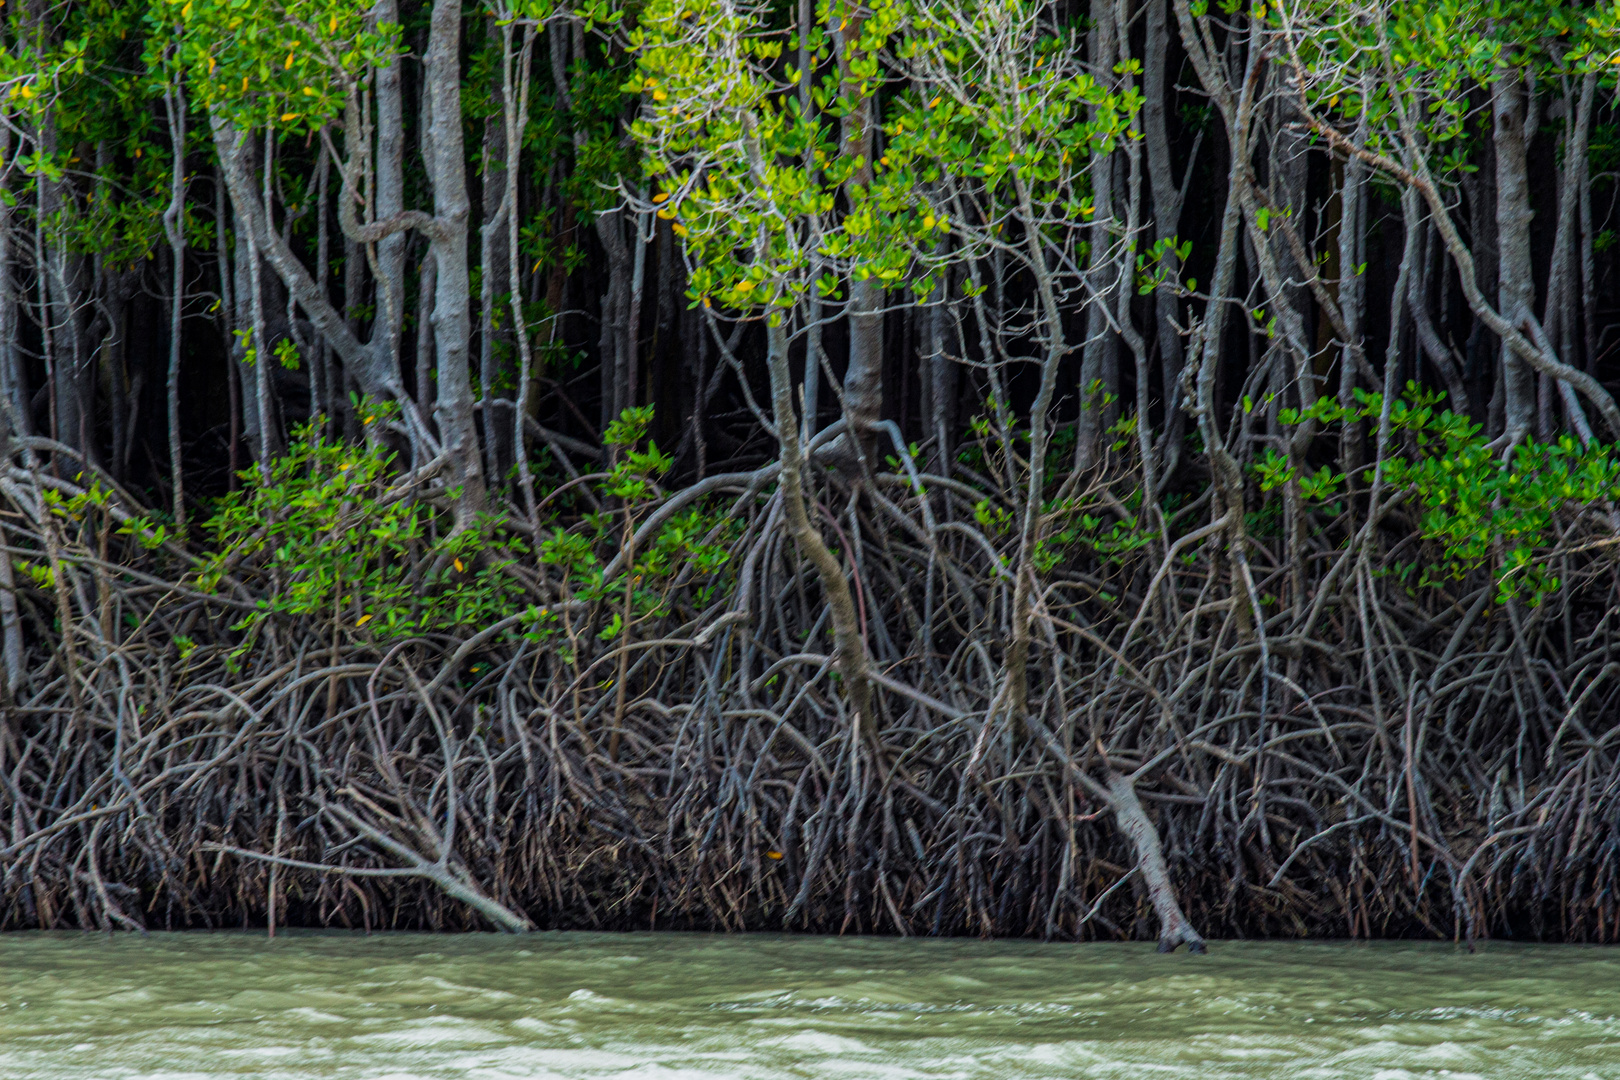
x: 694, y: 1007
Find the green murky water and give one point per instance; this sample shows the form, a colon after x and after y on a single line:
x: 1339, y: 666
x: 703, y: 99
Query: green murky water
x: 696, y: 1007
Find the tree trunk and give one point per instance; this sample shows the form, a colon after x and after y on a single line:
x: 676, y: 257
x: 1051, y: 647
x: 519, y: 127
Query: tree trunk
x: 390, y: 204
x: 1516, y: 287
x: 173, y: 226
x: 452, y: 324
x: 451, y: 208
x: 863, y: 378
x: 1099, y: 358
x: 494, y: 277
x: 1174, y: 929
x: 1166, y: 222
x: 613, y: 343
x: 853, y: 663
x: 15, y: 414
x: 11, y: 646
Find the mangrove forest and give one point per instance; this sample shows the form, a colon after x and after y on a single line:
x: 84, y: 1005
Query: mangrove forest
x: 1073, y: 469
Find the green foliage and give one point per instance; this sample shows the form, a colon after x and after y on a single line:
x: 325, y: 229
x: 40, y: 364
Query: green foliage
x: 1022, y: 132
x: 1082, y: 528
x: 328, y: 538
x: 1427, y: 60
x: 725, y: 143
x: 691, y: 547
x: 288, y: 64
x: 1480, y: 509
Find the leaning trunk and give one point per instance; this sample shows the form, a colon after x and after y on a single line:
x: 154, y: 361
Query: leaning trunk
x: 1174, y: 929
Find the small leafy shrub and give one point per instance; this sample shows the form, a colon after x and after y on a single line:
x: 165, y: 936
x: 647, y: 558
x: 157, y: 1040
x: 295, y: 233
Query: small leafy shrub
x: 692, y: 545
x: 1478, y: 509
x: 329, y: 537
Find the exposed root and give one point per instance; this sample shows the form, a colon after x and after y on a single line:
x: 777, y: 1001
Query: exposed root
x: 1297, y: 771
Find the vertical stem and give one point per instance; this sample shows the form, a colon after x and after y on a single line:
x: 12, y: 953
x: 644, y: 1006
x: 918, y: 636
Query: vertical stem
x: 452, y: 327
x: 516, y: 116
x: 14, y: 398
x: 1515, y: 281
x: 320, y: 363
x: 863, y: 378
x: 807, y: 106
x: 174, y: 224
x: 261, y: 352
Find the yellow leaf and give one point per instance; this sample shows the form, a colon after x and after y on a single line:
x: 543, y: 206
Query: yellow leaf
x: 288, y: 65
x: 773, y: 854
x: 662, y: 196
x: 459, y: 567
x: 744, y: 286
x: 331, y: 27
x: 678, y: 229
x: 244, y: 84
x: 362, y: 621
x: 210, y: 65
x: 928, y: 221
x: 288, y: 116
x: 659, y: 95
x: 185, y: 12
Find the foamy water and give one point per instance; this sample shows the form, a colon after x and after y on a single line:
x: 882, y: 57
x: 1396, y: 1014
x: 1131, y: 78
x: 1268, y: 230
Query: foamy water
x: 699, y: 1007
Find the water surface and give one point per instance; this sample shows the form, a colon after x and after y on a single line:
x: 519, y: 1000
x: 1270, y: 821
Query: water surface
x: 699, y: 1007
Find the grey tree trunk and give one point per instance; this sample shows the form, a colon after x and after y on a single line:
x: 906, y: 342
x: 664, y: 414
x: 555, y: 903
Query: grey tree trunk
x: 1352, y: 197
x: 242, y: 290
x: 863, y: 378
x: 1174, y: 929
x: 427, y: 285
x: 939, y: 383
x: 1516, y: 288
x: 320, y: 366
x: 11, y: 646
x: 492, y: 236
x: 812, y: 346
x: 1099, y: 358
x: 1167, y: 203
x: 613, y: 342
x: 452, y: 323
x: 14, y: 396
x: 390, y: 204
x: 175, y: 103
x: 265, y: 446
